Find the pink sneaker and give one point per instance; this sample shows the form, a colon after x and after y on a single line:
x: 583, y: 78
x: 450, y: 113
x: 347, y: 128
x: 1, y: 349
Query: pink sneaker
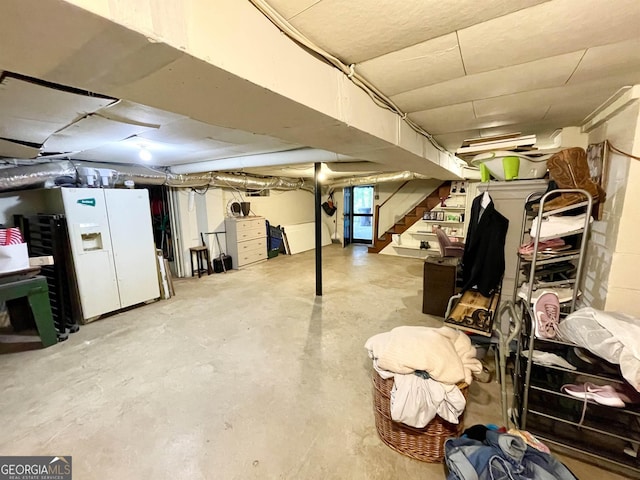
x: 547, y: 315
x: 602, y: 394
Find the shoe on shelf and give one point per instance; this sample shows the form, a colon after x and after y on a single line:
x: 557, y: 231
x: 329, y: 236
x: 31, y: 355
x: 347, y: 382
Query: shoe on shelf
x: 551, y: 359
x: 551, y: 244
x: 565, y: 294
x: 569, y: 168
x: 534, y: 205
x: 591, y: 363
x: 564, y: 200
x: 584, y: 356
x: 601, y: 394
x: 547, y: 315
x: 632, y: 450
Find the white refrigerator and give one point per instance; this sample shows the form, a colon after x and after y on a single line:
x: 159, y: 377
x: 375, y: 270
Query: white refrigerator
x: 112, y: 246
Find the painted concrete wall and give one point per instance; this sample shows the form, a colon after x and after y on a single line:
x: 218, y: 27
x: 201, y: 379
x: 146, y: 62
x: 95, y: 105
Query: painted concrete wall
x: 215, y: 215
x: 207, y: 210
x: 280, y: 207
x: 613, y: 261
x: 26, y: 202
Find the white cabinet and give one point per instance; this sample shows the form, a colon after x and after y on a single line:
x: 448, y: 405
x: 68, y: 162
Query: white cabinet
x: 246, y: 240
x: 133, y: 245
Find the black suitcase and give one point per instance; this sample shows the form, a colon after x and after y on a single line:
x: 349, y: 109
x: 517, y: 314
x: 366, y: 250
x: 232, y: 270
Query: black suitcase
x: 222, y: 263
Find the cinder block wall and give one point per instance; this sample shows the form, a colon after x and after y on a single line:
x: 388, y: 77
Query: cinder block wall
x: 613, y: 261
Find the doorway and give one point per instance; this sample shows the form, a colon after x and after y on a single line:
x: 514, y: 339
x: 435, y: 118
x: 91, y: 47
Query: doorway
x: 358, y: 215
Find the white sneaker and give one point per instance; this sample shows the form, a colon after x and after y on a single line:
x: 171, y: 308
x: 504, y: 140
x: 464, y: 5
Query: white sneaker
x: 550, y: 359
x: 565, y: 294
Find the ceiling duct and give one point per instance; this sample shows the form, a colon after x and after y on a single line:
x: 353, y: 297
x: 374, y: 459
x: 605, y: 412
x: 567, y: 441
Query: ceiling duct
x: 34, y: 176
x: 41, y: 174
x: 374, y: 179
x: 30, y: 176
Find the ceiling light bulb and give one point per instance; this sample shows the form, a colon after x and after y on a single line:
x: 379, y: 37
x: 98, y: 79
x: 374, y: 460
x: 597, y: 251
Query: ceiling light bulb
x: 322, y: 176
x: 144, y: 154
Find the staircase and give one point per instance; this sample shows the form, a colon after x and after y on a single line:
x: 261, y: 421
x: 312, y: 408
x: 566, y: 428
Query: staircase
x: 427, y: 204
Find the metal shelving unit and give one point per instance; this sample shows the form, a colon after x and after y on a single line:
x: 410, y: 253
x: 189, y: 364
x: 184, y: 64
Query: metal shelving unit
x: 47, y: 235
x: 590, y: 431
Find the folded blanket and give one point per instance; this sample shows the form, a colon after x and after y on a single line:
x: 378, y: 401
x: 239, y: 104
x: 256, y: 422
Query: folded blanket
x: 445, y: 353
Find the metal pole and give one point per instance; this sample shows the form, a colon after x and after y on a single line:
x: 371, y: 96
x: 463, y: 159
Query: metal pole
x: 318, y: 225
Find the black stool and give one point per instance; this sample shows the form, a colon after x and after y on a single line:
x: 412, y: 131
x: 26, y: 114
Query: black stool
x: 202, y: 256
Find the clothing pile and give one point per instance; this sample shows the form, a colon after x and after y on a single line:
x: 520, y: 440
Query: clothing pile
x: 610, y: 335
x: 554, y: 225
x: 515, y: 455
x: 426, y: 364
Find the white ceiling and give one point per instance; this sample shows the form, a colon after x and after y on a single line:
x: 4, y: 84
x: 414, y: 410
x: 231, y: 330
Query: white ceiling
x: 458, y: 69
x: 72, y: 124
x: 462, y: 69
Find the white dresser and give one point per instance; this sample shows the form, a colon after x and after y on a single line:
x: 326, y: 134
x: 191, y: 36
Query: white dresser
x: 246, y: 240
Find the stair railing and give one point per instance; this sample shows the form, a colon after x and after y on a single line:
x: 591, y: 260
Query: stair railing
x: 377, y: 211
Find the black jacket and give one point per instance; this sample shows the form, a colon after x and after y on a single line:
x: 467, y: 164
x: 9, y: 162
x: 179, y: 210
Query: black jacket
x: 483, y: 260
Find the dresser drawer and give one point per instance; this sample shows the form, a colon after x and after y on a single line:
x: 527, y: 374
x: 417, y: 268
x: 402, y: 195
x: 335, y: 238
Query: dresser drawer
x: 252, y: 245
x: 251, y: 233
x: 251, y: 256
x: 251, y: 224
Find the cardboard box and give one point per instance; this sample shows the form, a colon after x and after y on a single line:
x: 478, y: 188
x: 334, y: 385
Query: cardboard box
x: 14, y: 258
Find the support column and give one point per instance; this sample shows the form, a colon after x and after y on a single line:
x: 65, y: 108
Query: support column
x: 318, y: 227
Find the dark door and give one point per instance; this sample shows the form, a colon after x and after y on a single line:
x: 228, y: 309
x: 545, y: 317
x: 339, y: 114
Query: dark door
x: 346, y: 202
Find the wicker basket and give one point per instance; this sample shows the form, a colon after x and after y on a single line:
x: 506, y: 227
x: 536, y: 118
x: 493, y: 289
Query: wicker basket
x: 425, y: 444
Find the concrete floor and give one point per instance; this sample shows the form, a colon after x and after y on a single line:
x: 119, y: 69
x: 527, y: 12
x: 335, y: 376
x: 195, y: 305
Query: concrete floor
x: 241, y: 375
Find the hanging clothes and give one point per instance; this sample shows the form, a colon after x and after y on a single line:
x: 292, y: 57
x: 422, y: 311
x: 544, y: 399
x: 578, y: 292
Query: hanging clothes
x: 483, y: 259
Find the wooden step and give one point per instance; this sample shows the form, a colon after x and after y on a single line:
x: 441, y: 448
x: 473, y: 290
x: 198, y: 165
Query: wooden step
x: 397, y: 229
x: 421, y: 210
x: 415, y: 215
